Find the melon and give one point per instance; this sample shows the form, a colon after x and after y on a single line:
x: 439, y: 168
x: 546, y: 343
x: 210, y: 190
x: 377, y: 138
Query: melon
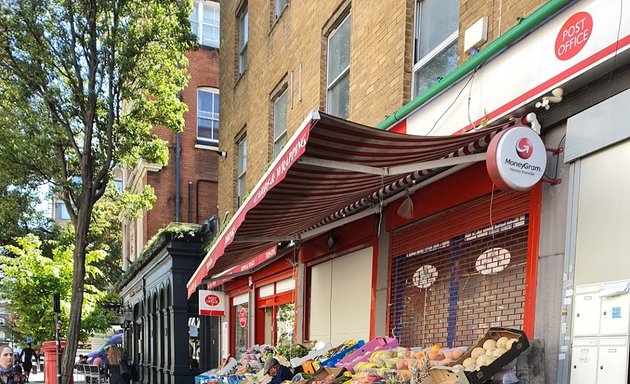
x: 489, y: 344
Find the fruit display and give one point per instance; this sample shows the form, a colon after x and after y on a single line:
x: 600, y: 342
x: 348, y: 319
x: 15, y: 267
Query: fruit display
x: 496, y: 349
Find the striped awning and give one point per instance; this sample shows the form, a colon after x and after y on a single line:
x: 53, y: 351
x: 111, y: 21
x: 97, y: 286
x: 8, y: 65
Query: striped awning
x: 331, y: 171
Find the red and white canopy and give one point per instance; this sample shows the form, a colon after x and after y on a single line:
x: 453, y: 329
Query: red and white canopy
x: 331, y: 171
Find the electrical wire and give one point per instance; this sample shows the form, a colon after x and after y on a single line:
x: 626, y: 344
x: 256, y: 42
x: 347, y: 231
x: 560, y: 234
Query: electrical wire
x: 557, y: 155
x: 454, y: 100
x: 614, y: 65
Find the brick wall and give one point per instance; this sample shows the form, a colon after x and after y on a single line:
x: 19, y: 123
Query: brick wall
x: 198, y: 166
x: 278, y: 50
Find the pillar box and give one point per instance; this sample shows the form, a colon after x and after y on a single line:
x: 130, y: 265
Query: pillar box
x: 50, y: 360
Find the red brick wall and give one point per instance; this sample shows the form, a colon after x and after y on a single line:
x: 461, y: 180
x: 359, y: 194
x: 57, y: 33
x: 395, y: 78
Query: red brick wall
x: 197, y: 165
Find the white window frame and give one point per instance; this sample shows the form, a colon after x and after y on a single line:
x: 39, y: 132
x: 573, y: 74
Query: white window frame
x: 426, y: 59
x: 199, y: 5
x: 214, y: 142
x: 241, y: 174
x: 243, y: 30
x: 282, y: 135
x: 346, y: 72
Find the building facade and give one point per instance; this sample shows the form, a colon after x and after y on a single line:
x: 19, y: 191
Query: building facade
x: 438, y: 254
x: 162, y: 330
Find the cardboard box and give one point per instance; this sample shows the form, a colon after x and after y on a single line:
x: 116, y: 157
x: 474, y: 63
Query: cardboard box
x: 445, y: 375
x: 486, y: 373
x: 327, y: 371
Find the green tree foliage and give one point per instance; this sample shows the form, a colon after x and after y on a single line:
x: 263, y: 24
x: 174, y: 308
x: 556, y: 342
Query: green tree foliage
x: 30, y: 278
x: 82, y: 83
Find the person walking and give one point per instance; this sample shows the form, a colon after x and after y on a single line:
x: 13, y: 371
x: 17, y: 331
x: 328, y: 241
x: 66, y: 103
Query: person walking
x: 115, y: 366
x: 26, y: 357
x: 9, y: 373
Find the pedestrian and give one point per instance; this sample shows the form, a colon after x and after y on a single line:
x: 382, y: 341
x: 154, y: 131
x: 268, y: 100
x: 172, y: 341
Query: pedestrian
x: 26, y: 357
x: 9, y: 373
x: 277, y: 371
x: 115, y: 366
x: 82, y: 359
x: 98, y: 361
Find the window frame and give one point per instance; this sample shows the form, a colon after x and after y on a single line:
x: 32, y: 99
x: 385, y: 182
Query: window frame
x: 283, y: 135
x: 241, y: 174
x: 437, y: 50
x: 199, y: 5
x: 279, y: 9
x: 330, y: 85
x: 204, y: 140
x: 243, y: 30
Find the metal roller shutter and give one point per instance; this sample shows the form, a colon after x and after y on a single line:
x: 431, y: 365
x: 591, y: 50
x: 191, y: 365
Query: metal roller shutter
x: 454, y: 274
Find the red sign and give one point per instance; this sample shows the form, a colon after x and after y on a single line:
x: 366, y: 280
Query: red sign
x: 242, y: 317
x: 211, y: 303
x: 212, y: 300
x: 573, y: 35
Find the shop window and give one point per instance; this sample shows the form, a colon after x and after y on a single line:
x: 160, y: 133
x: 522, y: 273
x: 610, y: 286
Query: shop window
x: 204, y: 22
x: 208, y: 117
x: 240, y: 314
x: 451, y: 291
x: 243, y: 39
x: 279, y: 123
x: 435, y: 42
x: 338, y: 70
x: 241, y: 171
x: 276, y: 307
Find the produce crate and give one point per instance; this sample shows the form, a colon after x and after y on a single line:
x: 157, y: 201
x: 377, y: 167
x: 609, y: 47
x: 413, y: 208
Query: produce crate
x: 444, y: 375
x: 326, y: 371
x: 364, y: 353
x: 334, y: 359
x: 486, y: 372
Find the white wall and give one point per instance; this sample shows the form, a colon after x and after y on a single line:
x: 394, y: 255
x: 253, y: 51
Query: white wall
x: 603, y: 222
x: 340, y: 300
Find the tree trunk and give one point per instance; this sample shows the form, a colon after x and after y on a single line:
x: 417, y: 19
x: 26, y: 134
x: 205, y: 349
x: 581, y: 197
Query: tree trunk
x: 78, y: 279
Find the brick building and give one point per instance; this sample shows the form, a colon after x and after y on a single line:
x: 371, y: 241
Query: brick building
x: 161, y: 328
x: 363, y: 232
x: 187, y: 195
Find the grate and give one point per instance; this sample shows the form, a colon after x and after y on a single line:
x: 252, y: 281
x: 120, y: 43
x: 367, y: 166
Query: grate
x: 451, y: 290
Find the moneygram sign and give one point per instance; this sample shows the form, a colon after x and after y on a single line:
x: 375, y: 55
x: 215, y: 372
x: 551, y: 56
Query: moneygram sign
x: 516, y: 159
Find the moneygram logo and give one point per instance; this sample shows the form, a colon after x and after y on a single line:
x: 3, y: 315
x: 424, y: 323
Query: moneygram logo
x: 524, y: 148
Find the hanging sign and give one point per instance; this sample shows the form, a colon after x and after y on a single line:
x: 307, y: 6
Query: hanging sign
x: 211, y: 303
x: 516, y: 159
x: 242, y: 317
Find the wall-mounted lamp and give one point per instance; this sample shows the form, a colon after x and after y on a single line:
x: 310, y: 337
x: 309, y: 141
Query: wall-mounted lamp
x: 331, y: 240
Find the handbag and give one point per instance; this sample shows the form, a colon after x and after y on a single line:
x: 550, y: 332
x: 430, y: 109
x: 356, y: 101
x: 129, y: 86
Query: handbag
x: 125, y: 371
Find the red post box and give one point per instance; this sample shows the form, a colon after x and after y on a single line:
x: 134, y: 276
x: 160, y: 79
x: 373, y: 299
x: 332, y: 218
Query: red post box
x: 50, y: 360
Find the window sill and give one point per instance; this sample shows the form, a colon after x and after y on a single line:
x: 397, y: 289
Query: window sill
x: 239, y: 77
x: 207, y: 146
x: 275, y: 22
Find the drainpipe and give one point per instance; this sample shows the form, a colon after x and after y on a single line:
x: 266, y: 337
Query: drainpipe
x: 515, y: 33
x: 177, y: 171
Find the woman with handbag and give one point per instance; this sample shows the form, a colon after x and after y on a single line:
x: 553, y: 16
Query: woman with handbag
x: 115, y: 367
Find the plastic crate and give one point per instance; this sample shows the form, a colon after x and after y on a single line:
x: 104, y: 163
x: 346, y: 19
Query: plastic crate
x: 364, y: 353
x: 334, y: 359
x: 486, y: 373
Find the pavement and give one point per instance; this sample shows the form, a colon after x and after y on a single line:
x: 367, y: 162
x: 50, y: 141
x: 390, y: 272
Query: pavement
x: 36, y: 378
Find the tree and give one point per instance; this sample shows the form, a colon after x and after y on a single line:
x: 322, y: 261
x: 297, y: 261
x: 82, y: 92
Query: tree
x: 30, y: 278
x: 81, y: 85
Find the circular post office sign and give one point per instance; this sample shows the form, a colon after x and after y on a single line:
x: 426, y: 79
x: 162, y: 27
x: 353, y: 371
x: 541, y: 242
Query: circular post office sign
x: 516, y: 159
